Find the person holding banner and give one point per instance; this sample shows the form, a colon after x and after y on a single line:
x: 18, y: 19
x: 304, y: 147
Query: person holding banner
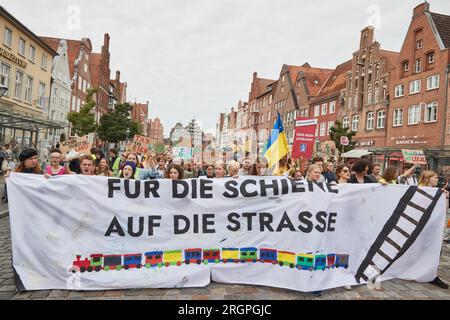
x: 219, y: 170
x: 55, y: 168
x: 360, y: 169
x: 389, y: 176
x: 133, y: 157
x: 233, y: 169
x: 102, y: 169
x: 343, y: 174
x: 174, y: 172
x: 154, y: 173
x: 87, y: 165
x: 314, y: 173
x: 431, y: 179
x: 128, y: 171
x: 409, y: 176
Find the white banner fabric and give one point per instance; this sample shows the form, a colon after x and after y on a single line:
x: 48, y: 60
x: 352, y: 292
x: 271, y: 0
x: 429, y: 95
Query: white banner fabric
x: 97, y: 233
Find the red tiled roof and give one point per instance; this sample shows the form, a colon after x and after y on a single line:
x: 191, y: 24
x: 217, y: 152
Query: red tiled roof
x: 336, y: 80
x: 51, y: 42
x: 315, y: 77
x: 442, y: 23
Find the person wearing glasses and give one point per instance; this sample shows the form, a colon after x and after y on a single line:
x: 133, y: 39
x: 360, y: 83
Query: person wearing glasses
x: 343, y: 174
x: 55, y: 168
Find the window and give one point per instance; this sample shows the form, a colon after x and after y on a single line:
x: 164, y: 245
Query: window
x: 355, y: 122
x: 406, y: 66
x: 282, y: 89
x: 399, y: 90
x: 4, y: 76
x: 21, y: 47
x: 419, y: 44
x: 431, y: 112
x: 433, y: 82
x: 18, y: 85
x: 44, y: 61
x: 370, y: 120
x: 381, y: 116
x: 80, y: 83
x: 430, y: 57
x: 369, y: 94
x: 268, y: 116
x: 349, y: 102
x: 7, y: 38
x: 414, y: 114
x: 32, y: 53
x: 85, y: 68
x: 28, y: 89
x: 418, y: 66
x: 282, y: 79
x: 330, y: 125
x: 84, y: 86
x: 398, y: 117
x: 323, y: 127
x: 332, y: 106
x: 324, y: 108
x: 356, y: 100
x: 317, y: 111
x: 414, y: 87
x: 377, y: 93
x: 345, y: 122
x: 41, y: 96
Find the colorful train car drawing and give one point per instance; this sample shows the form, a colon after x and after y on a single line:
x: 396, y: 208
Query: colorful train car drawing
x: 342, y: 261
x: 112, y: 262
x: 94, y: 263
x: 193, y: 256
x: 211, y: 256
x: 305, y: 262
x: 268, y: 255
x: 153, y: 259
x: 320, y: 262
x: 230, y: 255
x: 131, y: 261
x: 331, y: 260
x: 172, y: 258
x: 286, y: 258
x: 249, y: 254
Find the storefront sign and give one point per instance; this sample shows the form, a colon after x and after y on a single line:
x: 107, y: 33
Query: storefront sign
x: 8, y: 55
x: 369, y: 143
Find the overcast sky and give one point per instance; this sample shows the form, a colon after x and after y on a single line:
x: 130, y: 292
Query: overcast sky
x: 194, y: 58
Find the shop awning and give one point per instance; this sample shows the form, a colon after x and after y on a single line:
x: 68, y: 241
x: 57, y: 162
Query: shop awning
x: 356, y: 153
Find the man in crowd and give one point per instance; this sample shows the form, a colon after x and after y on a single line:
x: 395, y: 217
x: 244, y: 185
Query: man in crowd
x: 246, y: 166
x: 87, y: 166
x: 409, y: 175
x: 376, y: 170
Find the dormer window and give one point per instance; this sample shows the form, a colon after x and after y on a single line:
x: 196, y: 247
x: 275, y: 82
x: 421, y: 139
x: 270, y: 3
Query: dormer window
x: 430, y: 58
x: 419, y: 44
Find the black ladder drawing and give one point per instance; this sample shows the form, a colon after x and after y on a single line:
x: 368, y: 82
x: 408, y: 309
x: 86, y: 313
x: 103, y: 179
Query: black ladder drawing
x: 399, y: 233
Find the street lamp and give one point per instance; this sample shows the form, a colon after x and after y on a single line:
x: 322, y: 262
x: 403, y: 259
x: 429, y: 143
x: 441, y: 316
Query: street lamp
x: 3, y: 90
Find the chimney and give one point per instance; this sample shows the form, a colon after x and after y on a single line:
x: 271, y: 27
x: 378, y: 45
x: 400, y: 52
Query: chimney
x: 106, y: 41
x: 255, y: 75
x: 421, y: 8
x: 117, y: 76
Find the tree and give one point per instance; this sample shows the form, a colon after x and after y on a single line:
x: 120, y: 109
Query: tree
x: 339, y: 131
x: 113, y: 126
x: 83, y: 122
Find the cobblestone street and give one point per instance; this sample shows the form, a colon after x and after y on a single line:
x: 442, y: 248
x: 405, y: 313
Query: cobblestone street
x: 390, y: 290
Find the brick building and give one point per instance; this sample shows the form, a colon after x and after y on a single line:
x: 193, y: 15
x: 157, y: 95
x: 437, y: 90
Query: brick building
x: 418, y: 116
x: 366, y: 94
x: 139, y: 114
x: 117, y: 91
x: 155, y: 131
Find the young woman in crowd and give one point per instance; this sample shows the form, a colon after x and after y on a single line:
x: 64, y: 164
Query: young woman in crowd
x: 360, y: 170
x: 233, y: 169
x: 314, y: 173
x: 209, y: 171
x: 431, y: 179
x: 132, y: 157
x: 219, y: 170
x: 29, y: 162
x: 99, y: 154
x: 328, y: 173
x: 55, y: 168
x: 343, y: 174
x: 103, y: 168
x: 389, y: 176
x: 295, y: 174
x: 128, y: 170
x: 174, y: 172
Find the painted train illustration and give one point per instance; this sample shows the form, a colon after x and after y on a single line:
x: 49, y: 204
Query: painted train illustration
x: 308, y: 261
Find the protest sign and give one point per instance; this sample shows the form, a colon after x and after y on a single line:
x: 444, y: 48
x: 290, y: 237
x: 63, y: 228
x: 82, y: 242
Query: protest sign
x: 140, y: 144
x: 184, y: 153
x: 269, y: 231
x: 414, y: 156
x: 304, y: 138
x: 76, y: 147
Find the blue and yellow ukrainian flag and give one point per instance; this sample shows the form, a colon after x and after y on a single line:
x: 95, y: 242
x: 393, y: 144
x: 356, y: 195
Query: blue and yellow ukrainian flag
x: 277, y: 146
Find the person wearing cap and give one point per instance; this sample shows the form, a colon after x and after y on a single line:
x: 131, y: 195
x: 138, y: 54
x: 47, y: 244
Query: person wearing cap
x: 128, y: 170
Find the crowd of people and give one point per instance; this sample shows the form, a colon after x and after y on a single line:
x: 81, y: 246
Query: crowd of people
x: 130, y: 165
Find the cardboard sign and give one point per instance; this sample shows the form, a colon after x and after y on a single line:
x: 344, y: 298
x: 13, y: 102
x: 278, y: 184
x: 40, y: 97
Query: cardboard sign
x: 304, y: 138
x: 76, y: 147
x: 414, y: 156
x: 140, y: 144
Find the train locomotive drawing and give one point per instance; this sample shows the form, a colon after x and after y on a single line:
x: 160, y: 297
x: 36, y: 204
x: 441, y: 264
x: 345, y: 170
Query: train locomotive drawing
x: 197, y: 256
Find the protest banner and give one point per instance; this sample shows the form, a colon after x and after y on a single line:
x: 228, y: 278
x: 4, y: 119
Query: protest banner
x: 76, y: 147
x: 414, y: 156
x: 304, y: 138
x: 269, y: 231
x: 184, y: 153
x: 139, y: 145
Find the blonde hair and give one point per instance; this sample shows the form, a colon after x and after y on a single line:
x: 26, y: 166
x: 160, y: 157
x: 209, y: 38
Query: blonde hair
x: 425, y: 177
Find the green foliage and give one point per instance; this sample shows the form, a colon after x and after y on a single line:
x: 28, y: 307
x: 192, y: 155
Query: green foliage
x: 83, y: 122
x: 160, y: 148
x: 337, y: 132
x: 113, y: 126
